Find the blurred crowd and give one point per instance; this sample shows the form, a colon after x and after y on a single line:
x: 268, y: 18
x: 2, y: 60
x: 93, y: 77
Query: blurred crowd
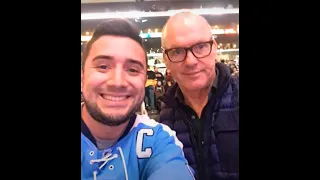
x: 157, y: 84
x: 234, y: 67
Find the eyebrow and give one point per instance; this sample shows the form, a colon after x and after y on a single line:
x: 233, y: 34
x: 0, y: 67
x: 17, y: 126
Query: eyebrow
x: 128, y: 60
x: 133, y: 61
x: 103, y: 57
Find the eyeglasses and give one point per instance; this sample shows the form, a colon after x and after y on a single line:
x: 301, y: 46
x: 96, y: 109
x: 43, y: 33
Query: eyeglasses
x: 199, y: 50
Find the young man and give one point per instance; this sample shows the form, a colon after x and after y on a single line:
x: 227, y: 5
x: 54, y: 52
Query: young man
x: 115, y: 142
x: 203, y: 106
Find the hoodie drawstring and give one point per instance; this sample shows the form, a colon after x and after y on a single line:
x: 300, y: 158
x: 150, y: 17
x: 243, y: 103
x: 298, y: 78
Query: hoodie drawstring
x: 143, y: 109
x: 123, y: 162
x: 108, y: 157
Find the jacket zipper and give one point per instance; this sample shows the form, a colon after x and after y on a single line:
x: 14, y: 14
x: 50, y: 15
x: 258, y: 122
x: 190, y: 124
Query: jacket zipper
x: 194, y: 142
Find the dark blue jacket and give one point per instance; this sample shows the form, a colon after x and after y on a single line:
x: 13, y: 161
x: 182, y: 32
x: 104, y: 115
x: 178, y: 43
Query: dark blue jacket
x: 215, y: 155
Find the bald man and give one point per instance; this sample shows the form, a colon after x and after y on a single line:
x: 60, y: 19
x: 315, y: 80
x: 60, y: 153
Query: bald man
x: 203, y: 106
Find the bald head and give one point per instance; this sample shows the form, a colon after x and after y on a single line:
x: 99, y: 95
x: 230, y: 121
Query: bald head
x: 182, y: 25
x: 192, y: 68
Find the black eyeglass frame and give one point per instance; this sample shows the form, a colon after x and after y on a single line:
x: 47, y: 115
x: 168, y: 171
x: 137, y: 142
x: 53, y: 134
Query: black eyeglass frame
x: 187, y: 49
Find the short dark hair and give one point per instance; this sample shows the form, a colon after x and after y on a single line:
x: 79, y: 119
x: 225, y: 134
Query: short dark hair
x: 115, y: 27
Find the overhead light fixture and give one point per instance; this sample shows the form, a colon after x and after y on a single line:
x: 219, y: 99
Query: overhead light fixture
x: 139, y: 14
x: 140, y: 20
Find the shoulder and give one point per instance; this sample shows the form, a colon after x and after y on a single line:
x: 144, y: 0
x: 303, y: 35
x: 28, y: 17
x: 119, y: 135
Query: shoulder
x: 235, y: 86
x: 154, y: 130
x: 166, y: 115
x: 235, y: 80
x: 144, y: 122
x: 232, y: 85
x: 230, y: 95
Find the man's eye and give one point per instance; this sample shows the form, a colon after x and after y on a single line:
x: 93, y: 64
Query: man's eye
x: 132, y: 70
x: 177, y: 51
x: 200, y: 46
x: 103, y: 67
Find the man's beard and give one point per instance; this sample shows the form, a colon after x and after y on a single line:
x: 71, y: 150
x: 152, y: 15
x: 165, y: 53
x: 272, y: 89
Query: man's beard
x: 109, y: 119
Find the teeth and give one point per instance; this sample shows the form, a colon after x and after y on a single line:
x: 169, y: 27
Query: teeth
x: 115, y: 98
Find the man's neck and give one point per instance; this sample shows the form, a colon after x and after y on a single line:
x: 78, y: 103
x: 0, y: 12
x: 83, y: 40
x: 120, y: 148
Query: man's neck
x: 197, y: 100
x: 102, y: 131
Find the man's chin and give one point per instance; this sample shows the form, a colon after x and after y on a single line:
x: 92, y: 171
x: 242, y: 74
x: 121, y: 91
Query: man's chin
x: 115, y: 117
x: 115, y: 112
x: 110, y: 115
x: 194, y: 85
x: 113, y: 121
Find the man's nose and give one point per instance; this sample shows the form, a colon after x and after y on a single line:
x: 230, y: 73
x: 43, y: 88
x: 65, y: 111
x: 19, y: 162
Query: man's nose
x: 191, y: 60
x: 117, y: 77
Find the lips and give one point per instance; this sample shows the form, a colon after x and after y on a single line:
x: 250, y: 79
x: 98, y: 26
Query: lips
x: 114, y: 98
x: 192, y: 73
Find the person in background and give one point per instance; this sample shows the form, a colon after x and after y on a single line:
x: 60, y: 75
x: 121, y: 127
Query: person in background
x: 230, y: 62
x: 116, y: 143
x: 159, y: 75
x: 157, y: 61
x: 159, y: 92
x: 168, y: 76
x: 149, y: 89
x: 234, y: 70
x: 168, y: 85
x: 203, y: 106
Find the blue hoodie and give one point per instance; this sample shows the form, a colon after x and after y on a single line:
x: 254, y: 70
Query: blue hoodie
x: 146, y: 151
